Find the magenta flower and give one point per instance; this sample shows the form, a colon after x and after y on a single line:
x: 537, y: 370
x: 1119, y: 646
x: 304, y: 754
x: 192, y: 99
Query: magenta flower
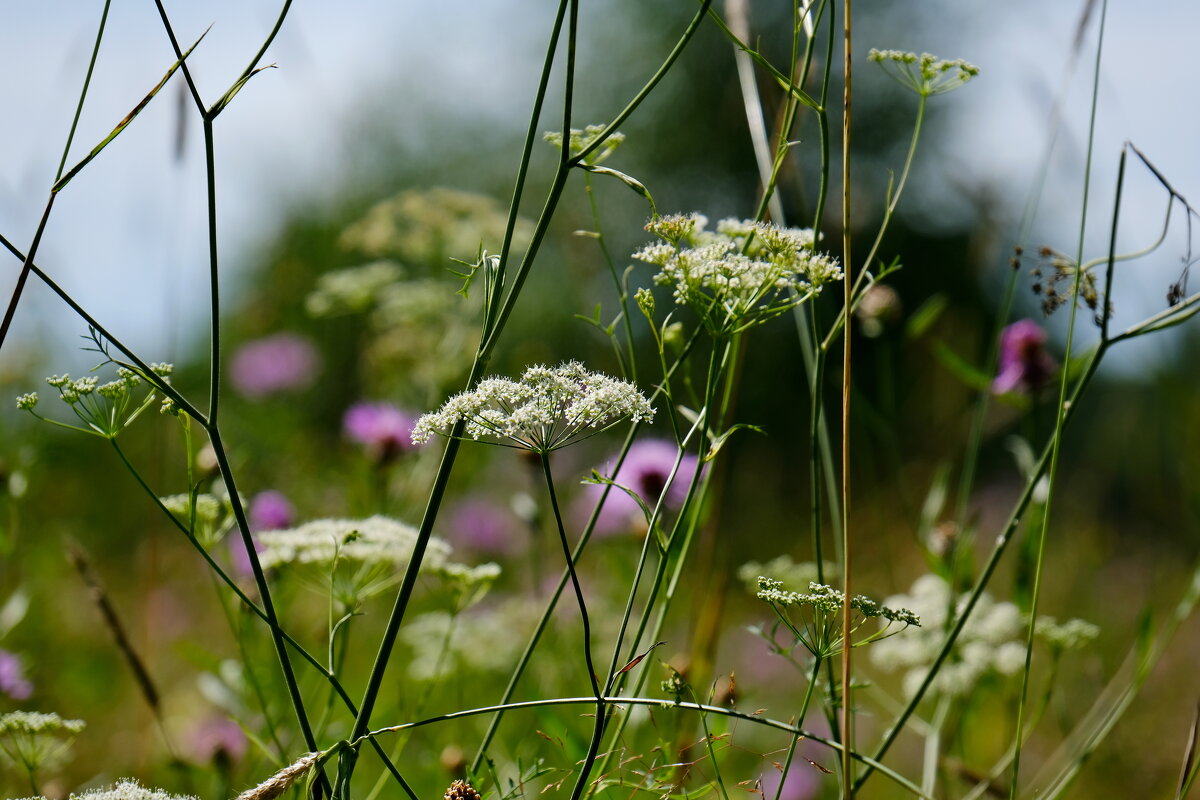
x: 12, y: 681
x: 268, y: 511
x: 801, y: 782
x: 485, y: 527
x: 384, y: 429
x: 645, y: 470
x: 274, y: 364
x: 218, y: 738
x: 1025, y: 366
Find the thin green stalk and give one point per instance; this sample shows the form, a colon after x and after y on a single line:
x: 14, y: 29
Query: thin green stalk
x: 585, y: 537
x: 989, y: 567
x: 791, y: 753
x: 23, y: 276
x: 87, y: 80
x: 626, y: 357
x: 847, y: 700
x: 1060, y: 413
x: 264, y: 592
x: 661, y: 703
x: 585, y: 623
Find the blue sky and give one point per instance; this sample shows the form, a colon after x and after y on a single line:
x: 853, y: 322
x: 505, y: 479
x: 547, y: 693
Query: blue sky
x: 128, y: 236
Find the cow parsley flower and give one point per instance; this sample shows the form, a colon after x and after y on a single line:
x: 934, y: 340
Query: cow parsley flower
x: 32, y: 739
x: 740, y: 275
x: 548, y: 408
x: 580, y: 140
x: 814, y: 617
x: 105, y: 409
x: 128, y: 789
x: 991, y: 643
x: 925, y: 74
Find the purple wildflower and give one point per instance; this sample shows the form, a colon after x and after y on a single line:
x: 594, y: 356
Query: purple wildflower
x: 274, y: 364
x: 12, y: 682
x: 1025, y: 366
x: 801, y: 782
x: 645, y: 470
x: 218, y: 738
x: 384, y: 429
x: 268, y: 511
x: 485, y: 527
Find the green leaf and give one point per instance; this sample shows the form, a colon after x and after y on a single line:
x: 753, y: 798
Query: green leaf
x: 631, y: 182
x: 226, y: 98
x: 123, y: 124
x: 719, y: 441
x: 923, y: 318
x: 960, y: 368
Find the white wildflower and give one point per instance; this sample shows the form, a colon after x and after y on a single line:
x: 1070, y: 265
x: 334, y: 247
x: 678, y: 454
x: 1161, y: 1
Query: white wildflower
x: 742, y: 274
x: 474, y: 642
x: 353, y: 290
x: 991, y: 642
x: 1070, y: 635
x: 925, y: 74
x: 128, y: 789
x: 546, y: 409
x: 372, y: 540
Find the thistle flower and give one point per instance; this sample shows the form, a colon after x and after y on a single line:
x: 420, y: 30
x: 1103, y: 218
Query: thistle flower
x: 384, y: 429
x: 12, y: 678
x: 546, y: 409
x: 283, y: 362
x: 485, y: 527
x: 800, y: 783
x: 742, y: 274
x: 270, y: 510
x: 1025, y: 366
x: 925, y: 74
x: 218, y: 738
x: 645, y: 470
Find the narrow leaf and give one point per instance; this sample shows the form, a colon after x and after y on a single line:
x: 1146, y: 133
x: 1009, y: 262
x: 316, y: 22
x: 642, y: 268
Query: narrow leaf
x: 628, y: 180
x: 123, y: 124
x: 638, y: 660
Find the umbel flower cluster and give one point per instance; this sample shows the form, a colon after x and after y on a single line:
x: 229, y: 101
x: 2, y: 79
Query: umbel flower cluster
x: 548, y: 408
x: 991, y: 643
x: 925, y: 74
x: 105, y: 409
x: 814, y: 617
x: 126, y: 789
x: 743, y: 273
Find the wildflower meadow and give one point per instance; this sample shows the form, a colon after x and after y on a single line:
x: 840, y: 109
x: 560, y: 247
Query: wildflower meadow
x: 700, y: 429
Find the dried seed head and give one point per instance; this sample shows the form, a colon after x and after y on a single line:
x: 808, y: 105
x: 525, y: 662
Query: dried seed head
x: 461, y: 790
x: 281, y: 781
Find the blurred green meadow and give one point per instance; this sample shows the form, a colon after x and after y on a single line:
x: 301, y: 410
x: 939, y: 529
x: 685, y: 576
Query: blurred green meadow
x: 355, y: 315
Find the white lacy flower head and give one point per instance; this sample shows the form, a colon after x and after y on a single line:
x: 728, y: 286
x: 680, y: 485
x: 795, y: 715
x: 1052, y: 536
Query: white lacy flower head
x: 992, y: 641
x: 478, y: 641
x: 742, y: 274
x: 548, y: 408
x: 353, y: 558
x: 35, y: 739
x: 925, y: 74
x: 213, y: 515
x: 127, y: 789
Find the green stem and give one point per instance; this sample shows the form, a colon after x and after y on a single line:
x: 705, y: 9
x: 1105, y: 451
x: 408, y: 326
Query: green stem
x: 1060, y: 415
x: 808, y: 691
x: 989, y: 567
x: 662, y: 703
x: 847, y: 702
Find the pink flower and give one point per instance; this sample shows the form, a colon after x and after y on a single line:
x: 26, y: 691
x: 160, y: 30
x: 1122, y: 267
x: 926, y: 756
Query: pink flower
x: 1025, y: 366
x: 12, y: 681
x: 384, y: 429
x: 218, y: 738
x: 274, y: 364
x: 645, y: 470
x: 268, y: 511
x: 485, y: 527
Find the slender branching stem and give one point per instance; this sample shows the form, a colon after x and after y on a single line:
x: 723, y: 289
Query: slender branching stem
x: 1060, y: 416
x: 847, y: 700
